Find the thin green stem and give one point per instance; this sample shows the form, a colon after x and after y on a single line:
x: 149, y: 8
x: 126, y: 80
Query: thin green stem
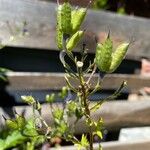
x: 84, y: 96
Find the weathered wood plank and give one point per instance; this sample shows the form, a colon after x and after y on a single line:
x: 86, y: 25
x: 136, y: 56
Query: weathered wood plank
x: 130, y: 145
x: 39, y: 81
x: 41, y: 26
x: 116, y: 114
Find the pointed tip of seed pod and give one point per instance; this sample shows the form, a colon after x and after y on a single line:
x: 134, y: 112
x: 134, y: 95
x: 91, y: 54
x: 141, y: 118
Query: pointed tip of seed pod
x: 96, y: 39
x: 108, y: 35
x: 4, y: 117
x: 102, y: 74
x: 14, y: 111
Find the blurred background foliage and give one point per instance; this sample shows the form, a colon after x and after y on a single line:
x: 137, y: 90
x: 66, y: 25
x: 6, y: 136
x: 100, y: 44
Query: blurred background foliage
x: 132, y: 7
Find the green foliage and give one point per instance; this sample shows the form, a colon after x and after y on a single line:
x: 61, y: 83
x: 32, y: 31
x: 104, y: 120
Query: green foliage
x: 12, y: 140
x: 100, y: 4
x: 84, y: 143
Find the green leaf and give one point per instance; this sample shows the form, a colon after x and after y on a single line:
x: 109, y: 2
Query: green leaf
x: 58, y: 114
x: 71, y: 107
x: 2, y: 144
x: 99, y: 134
x: 13, y: 140
x: 30, y: 129
x: 62, y: 128
x: 11, y: 124
x: 84, y: 141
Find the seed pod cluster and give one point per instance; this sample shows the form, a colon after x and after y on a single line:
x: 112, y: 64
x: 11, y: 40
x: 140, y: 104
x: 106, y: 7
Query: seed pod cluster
x: 68, y: 23
x: 108, y: 61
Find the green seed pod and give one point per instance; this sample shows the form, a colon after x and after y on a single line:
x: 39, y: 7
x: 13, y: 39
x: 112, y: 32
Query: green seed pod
x: 59, y: 38
x: 59, y: 33
x: 73, y: 41
x: 103, y: 55
x: 118, y: 56
x: 77, y: 17
x: 11, y: 124
x: 65, y: 17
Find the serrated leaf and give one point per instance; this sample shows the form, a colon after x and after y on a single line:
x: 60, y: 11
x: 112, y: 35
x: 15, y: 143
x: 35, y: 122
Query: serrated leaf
x: 30, y: 129
x: 12, y: 140
x: 84, y: 141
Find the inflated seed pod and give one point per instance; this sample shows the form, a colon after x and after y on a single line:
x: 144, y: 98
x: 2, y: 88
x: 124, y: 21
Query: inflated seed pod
x: 64, y: 11
x: 77, y: 17
x: 73, y: 41
x: 118, y: 56
x: 103, y: 55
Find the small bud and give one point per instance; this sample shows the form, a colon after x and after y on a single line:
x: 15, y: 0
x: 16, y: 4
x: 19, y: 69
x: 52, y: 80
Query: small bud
x: 28, y: 99
x: 64, y: 92
x: 103, y: 55
x: 73, y: 41
x: 77, y: 17
x: 50, y: 98
x: 118, y: 56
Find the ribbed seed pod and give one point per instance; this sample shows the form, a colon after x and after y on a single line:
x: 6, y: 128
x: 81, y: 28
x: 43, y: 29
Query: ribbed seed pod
x: 59, y: 33
x: 77, y: 17
x: 118, y: 56
x: 65, y: 17
x: 73, y: 41
x: 103, y: 55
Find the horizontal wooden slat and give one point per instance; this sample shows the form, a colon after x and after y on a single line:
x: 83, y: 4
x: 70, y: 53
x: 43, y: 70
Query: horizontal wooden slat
x: 116, y: 114
x: 39, y: 81
x: 130, y: 145
x: 40, y: 17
